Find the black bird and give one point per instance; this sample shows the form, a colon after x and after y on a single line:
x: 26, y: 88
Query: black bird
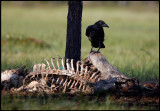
x: 95, y: 34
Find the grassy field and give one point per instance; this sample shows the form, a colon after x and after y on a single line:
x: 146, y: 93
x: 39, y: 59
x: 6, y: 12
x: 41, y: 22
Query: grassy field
x: 132, y: 43
x: 63, y: 102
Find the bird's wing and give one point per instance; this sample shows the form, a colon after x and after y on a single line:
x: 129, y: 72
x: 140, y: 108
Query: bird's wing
x: 88, y: 30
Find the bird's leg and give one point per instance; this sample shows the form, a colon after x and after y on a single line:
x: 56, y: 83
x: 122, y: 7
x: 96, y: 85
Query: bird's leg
x: 98, y: 49
x: 91, y: 49
x: 99, y: 46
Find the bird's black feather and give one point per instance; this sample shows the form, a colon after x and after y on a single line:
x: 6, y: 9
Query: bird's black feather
x: 95, y: 34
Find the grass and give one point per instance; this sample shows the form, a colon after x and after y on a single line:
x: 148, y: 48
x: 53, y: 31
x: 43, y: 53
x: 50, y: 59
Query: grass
x: 62, y: 102
x: 132, y: 44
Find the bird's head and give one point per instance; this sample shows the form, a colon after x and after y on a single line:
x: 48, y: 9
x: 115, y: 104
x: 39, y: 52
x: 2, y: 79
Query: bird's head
x: 101, y: 23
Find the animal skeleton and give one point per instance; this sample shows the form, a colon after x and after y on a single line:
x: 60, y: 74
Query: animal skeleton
x: 65, y: 80
x: 86, y: 78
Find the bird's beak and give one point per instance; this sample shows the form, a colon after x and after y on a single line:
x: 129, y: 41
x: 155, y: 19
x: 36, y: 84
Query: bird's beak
x: 105, y: 25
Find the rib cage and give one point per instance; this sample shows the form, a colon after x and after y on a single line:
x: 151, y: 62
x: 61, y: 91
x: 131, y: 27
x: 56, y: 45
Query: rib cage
x: 61, y: 79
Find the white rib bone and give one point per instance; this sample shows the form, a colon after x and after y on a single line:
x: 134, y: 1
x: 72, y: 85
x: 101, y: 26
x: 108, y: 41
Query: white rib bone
x: 77, y: 71
x: 82, y: 70
x: 63, y: 64
x: 97, y: 76
x: 76, y: 83
x: 65, y: 88
x: 46, y: 75
x: 86, y: 70
x: 61, y: 81
x: 52, y: 61
x: 80, y: 86
x: 65, y: 83
x: 69, y: 82
x: 53, y: 80
x: 94, y: 74
x: 68, y: 65
x: 57, y: 81
x: 48, y: 63
x: 83, y: 89
x: 58, y: 63
x: 88, y: 75
x: 73, y: 83
x: 72, y: 67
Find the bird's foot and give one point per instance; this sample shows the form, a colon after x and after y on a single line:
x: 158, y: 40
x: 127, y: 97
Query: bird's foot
x: 91, y: 49
x: 98, y: 51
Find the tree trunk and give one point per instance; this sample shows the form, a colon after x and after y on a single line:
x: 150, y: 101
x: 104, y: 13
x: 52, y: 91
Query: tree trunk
x: 73, y: 42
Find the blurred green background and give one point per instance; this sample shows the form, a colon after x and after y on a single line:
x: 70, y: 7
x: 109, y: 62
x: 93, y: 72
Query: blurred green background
x: 32, y: 31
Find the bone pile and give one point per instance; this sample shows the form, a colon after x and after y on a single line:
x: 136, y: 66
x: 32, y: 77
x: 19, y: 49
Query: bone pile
x: 56, y: 78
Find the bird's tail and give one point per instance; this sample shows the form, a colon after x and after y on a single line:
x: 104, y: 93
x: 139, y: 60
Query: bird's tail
x: 102, y: 45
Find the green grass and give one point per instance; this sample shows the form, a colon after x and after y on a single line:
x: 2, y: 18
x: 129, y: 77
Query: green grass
x: 63, y: 102
x: 132, y: 42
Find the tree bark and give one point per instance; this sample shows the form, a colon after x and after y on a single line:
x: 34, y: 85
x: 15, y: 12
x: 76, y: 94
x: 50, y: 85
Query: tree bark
x: 73, y: 42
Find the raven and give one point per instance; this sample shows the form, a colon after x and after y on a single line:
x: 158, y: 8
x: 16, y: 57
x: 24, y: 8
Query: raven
x: 95, y: 34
